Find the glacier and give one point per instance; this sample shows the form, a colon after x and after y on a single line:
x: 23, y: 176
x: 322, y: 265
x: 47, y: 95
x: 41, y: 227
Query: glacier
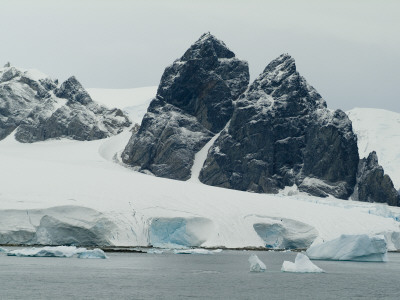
x: 302, y: 264
x: 351, y: 247
x: 179, y: 232
x: 78, y: 193
x: 256, y: 265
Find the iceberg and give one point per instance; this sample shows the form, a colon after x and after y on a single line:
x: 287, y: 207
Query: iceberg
x: 196, y: 251
x: 155, y: 251
x: 2, y: 250
x: 351, y: 247
x: 95, y: 253
x: 302, y: 264
x: 256, y: 265
x: 59, y: 251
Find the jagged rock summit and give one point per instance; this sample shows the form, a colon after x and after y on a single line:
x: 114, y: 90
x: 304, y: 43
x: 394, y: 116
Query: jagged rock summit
x: 372, y: 184
x: 194, y: 101
x: 281, y: 133
x: 37, y: 109
x: 274, y: 133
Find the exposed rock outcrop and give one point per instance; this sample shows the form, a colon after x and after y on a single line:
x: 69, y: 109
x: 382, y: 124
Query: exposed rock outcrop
x: 194, y: 101
x: 280, y: 134
x: 37, y: 109
x: 372, y: 184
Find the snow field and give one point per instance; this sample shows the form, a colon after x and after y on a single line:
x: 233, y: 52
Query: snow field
x: 126, y: 208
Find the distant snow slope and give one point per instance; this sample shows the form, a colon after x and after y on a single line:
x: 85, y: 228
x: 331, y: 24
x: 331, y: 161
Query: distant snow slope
x: 379, y: 130
x: 133, y: 101
x: 50, y: 189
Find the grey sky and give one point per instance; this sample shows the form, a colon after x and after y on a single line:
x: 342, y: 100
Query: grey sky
x: 348, y: 50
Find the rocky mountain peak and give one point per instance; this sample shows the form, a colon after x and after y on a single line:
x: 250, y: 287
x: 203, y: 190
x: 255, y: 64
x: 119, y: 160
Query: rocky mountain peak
x: 284, y: 64
x: 73, y: 91
x: 282, y: 91
x: 372, y: 160
x: 8, y: 73
x: 280, y: 134
x: 194, y: 101
x: 372, y: 184
x: 207, y: 46
x: 34, y: 108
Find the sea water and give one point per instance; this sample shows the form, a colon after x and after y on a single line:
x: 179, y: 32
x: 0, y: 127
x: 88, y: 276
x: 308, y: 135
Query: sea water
x: 222, y: 275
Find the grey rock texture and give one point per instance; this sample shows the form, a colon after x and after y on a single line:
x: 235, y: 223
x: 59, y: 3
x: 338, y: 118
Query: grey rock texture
x: 194, y: 101
x: 372, y: 184
x: 39, y: 110
x: 280, y: 134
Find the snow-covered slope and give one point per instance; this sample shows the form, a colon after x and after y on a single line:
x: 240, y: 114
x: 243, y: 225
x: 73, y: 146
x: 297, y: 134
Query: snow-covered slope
x: 77, y: 192
x: 379, y: 130
x: 134, y: 101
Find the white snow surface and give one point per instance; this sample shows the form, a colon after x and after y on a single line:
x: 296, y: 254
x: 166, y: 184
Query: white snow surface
x: 302, y: 264
x: 379, y: 130
x: 351, y: 247
x: 132, y: 101
x: 256, y: 265
x: 83, y: 184
x: 200, y: 158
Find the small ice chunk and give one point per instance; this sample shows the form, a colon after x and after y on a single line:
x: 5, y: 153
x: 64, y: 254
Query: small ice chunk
x: 155, y: 251
x: 2, y: 250
x: 256, y: 265
x: 95, y: 253
x: 302, y: 264
x: 196, y: 251
x: 351, y: 247
x: 59, y: 251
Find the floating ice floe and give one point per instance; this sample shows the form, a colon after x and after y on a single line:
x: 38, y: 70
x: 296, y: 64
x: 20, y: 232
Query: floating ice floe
x: 2, y: 250
x: 59, y: 251
x: 351, y: 247
x: 302, y: 264
x: 196, y: 251
x: 256, y: 265
x: 95, y: 253
x: 155, y: 251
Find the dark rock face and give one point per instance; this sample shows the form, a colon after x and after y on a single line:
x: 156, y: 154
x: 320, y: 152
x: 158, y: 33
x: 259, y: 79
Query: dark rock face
x: 280, y: 134
x: 194, y: 101
x: 38, y: 110
x: 73, y: 91
x: 373, y: 185
x: 167, y: 141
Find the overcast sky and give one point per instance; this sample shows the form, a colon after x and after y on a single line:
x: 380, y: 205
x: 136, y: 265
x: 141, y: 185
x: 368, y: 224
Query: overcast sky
x: 348, y: 50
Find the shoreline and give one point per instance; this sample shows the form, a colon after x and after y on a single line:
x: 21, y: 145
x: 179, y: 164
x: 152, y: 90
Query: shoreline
x: 142, y: 249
